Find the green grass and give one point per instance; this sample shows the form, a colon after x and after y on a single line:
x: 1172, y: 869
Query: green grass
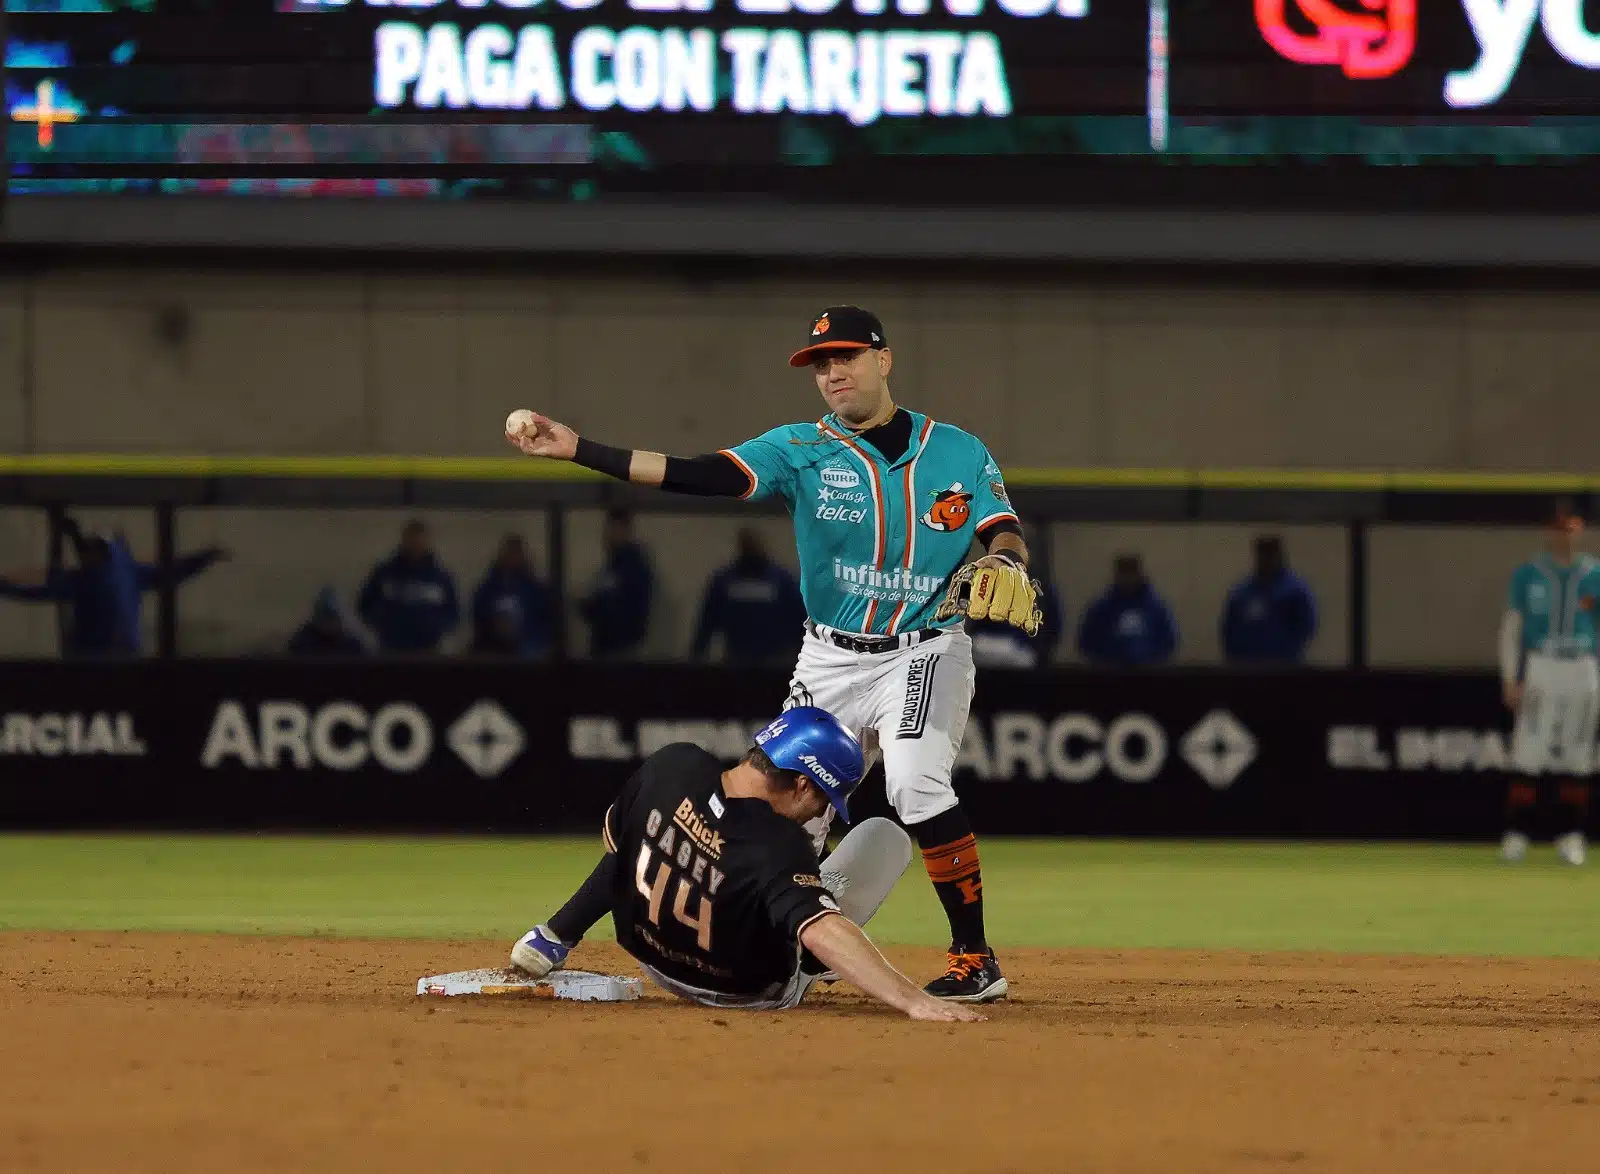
x: 1358, y: 897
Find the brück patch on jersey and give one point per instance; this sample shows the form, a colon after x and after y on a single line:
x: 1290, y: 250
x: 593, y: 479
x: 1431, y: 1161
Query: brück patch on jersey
x: 919, y: 693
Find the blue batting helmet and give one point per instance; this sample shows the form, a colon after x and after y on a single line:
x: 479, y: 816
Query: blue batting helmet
x: 811, y: 742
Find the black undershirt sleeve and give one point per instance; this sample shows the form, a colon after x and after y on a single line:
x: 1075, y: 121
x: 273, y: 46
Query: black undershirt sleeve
x: 588, y: 905
x: 714, y: 474
x: 603, y: 458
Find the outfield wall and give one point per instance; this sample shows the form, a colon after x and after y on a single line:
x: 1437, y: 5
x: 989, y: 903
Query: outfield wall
x: 1051, y: 371
x: 460, y: 746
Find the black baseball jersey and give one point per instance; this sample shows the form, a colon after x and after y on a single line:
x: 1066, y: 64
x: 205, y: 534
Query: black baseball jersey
x: 713, y: 892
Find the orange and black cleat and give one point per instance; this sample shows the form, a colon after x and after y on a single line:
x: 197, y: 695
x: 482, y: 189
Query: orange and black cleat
x: 971, y: 977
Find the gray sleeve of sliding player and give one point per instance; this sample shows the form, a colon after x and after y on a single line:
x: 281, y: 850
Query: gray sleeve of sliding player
x: 864, y: 869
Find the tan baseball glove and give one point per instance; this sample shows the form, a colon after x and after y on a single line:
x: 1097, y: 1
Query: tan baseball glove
x: 1004, y: 594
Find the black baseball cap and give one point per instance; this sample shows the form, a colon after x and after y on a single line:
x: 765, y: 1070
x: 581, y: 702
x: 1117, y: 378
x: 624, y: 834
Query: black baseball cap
x: 840, y: 328
x: 1565, y: 515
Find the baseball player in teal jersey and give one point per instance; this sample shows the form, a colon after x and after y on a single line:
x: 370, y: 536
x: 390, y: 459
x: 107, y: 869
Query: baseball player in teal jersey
x: 1548, y: 671
x: 886, y: 505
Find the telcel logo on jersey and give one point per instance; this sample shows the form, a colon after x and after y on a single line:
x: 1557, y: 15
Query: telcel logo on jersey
x: 841, y: 505
x: 1375, y: 43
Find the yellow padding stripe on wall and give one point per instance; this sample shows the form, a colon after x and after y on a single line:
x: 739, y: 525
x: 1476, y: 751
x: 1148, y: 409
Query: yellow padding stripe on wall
x: 512, y: 468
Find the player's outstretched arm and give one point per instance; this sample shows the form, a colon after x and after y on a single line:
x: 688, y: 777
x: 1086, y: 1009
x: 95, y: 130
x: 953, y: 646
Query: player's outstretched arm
x: 711, y: 475
x: 540, y: 436
x: 847, y: 951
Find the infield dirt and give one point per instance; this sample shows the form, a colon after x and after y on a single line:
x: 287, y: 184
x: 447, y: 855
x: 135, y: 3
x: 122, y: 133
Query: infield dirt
x: 142, y: 1052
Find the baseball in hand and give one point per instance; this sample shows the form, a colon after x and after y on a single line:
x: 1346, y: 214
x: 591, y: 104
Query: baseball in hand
x: 517, y: 421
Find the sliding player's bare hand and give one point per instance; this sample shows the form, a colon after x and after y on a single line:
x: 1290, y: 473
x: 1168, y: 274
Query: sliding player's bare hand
x: 932, y: 1010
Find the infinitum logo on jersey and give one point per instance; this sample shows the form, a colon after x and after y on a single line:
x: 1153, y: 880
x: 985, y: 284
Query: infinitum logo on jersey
x: 863, y: 580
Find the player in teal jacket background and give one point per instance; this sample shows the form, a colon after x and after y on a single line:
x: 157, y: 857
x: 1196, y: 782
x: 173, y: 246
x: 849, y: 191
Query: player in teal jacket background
x: 1548, y: 672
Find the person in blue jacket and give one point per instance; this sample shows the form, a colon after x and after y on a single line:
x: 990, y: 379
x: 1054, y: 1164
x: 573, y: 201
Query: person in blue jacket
x: 409, y: 601
x: 1270, y: 617
x: 325, y: 633
x: 104, y: 590
x: 617, y: 605
x: 513, y: 610
x: 1129, y: 625
x: 755, y: 604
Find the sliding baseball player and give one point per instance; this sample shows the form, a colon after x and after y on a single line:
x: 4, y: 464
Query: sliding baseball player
x: 714, y: 888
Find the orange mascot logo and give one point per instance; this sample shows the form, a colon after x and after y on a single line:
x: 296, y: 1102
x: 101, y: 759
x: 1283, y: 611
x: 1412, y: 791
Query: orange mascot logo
x: 950, y: 510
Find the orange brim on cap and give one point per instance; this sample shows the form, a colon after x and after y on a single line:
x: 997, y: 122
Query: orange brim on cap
x: 802, y: 358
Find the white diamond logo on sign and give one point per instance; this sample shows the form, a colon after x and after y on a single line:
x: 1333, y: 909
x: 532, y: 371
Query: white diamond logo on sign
x: 486, y: 739
x: 1218, y: 748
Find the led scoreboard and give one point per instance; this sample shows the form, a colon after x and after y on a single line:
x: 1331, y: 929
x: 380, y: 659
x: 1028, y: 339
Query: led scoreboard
x: 986, y: 102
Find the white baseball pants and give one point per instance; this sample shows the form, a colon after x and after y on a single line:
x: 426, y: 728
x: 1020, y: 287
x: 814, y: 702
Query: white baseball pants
x: 1557, y: 720
x: 914, y: 699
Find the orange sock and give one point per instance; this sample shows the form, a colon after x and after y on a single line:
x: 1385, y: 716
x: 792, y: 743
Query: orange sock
x: 958, y: 880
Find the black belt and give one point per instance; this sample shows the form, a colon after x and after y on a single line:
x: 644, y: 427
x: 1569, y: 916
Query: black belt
x: 874, y: 644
